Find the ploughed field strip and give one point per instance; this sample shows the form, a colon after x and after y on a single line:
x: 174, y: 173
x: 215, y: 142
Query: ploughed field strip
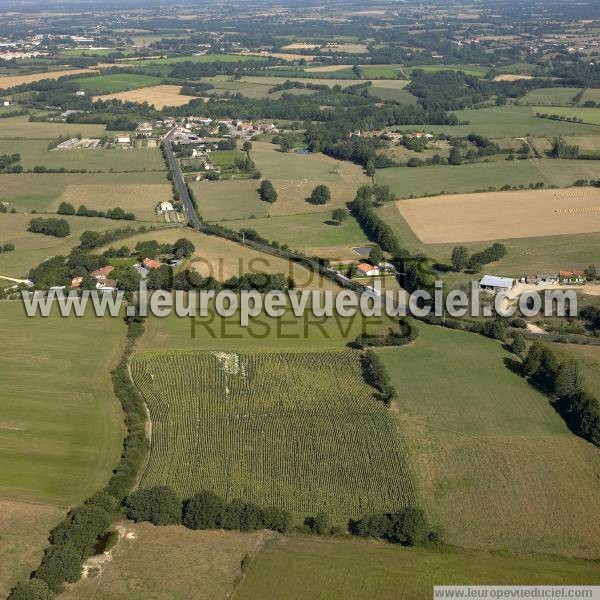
x: 301, y: 431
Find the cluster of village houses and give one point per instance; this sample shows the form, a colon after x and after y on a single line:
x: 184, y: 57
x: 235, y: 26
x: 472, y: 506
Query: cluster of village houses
x: 104, y: 284
x: 185, y: 128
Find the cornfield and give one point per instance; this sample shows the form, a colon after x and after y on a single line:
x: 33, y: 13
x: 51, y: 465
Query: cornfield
x: 298, y: 431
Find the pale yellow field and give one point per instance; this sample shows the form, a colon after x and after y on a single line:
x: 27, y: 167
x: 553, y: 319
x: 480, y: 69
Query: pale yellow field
x: 327, y: 68
x: 12, y: 80
x: 140, y: 199
x: 502, y: 215
x: 157, y: 95
x: 511, y: 77
x: 300, y: 46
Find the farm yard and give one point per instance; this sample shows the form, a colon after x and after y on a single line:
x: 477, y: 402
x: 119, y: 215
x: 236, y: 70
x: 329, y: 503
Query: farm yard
x: 61, y: 428
x: 269, y: 428
x: 479, y: 217
x: 158, y: 96
x: 429, y: 180
x: 490, y: 450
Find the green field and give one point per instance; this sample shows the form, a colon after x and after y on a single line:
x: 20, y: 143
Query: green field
x: 296, y: 568
x: 264, y: 334
x: 296, y: 175
x: 18, y: 128
x: 311, y: 230
x: 589, y: 115
x: 422, y: 181
x: 392, y: 90
x: 35, y: 153
x: 204, y: 58
x: 41, y: 191
x: 474, y: 70
x: 496, y: 466
x: 226, y: 158
x: 115, y: 82
x: 61, y: 427
x: 557, y: 96
x: 380, y: 71
x: 223, y: 200
x: 523, y: 256
x: 591, y: 94
x: 514, y: 121
x: 269, y: 428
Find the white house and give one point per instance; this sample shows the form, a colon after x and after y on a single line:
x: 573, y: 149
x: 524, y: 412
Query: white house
x: 164, y: 207
x: 123, y: 139
x: 491, y: 283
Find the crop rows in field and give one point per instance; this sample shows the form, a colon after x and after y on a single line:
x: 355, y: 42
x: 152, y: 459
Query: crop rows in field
x: 298, y: 431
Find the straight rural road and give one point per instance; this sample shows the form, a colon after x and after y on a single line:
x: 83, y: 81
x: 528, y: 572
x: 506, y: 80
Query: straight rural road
x: 184, y: 194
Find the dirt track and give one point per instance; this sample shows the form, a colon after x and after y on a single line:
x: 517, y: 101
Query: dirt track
x: 502, y: 215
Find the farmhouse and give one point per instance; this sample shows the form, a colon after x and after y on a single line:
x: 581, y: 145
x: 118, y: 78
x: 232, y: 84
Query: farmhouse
x: 576, y: 277
x: 493, y: 284
x: 109, y: 285
x: 547, y: 278
x: 102, y: 274
x: 144, y: 129
x: 123, y: 139
x: 150, y: 263
x: 164, y: 207
x: 76, y: 283
x: 367, y: 270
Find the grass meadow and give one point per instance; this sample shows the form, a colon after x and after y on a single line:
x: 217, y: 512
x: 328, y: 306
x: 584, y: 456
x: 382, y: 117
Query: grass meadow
x: 115, y: 82
x: 177, y: 561
x: 444, y: 179
x: 33, y: 248
x: 312, y: 232
x: 20, y: 128
x: 296, y: 175
x: 307, y: 568
x: 496, y: 467
x: 225, y: 200
x: 269, y: 428
x: 515, y: 121
x: 556, y: 96
x: 61, y: 428
x: 35, y: 153
x: 24, y: 528
x: 41, y: 191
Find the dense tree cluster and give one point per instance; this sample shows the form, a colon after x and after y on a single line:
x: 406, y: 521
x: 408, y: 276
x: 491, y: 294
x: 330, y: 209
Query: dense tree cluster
x: 52, y: 226
x: 267, y: 191
x: 408, y: 332
x: 408, y: 527
x: 563, y: 381
x: 375, y: 374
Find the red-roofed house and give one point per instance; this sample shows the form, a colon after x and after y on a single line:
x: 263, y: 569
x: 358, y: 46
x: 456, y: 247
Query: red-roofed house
x: 76, y: 283
x: 102, y: 274
x: 149, y: 263
x: 367, y: 270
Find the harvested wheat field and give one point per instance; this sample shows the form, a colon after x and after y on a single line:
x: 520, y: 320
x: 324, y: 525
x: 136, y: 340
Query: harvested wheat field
x: 327, y: 69
x: 159, y: 96
x: 12, y: 80
x: 511, y: 77
x: 502, y: 215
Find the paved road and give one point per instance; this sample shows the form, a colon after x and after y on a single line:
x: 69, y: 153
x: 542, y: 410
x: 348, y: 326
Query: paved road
x: 184, y: 194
